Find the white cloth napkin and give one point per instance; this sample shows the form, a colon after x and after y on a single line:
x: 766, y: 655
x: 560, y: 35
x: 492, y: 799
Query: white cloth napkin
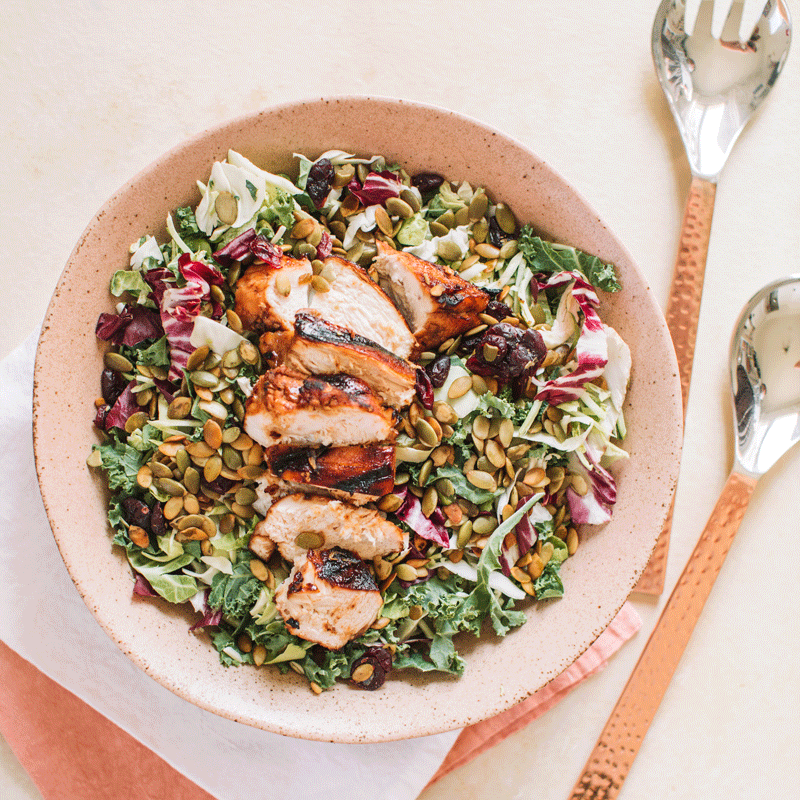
x: 43, y: 618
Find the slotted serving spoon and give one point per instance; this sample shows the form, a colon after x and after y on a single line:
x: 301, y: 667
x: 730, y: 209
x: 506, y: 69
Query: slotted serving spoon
x: 713, y: 86
x: 765, y: 389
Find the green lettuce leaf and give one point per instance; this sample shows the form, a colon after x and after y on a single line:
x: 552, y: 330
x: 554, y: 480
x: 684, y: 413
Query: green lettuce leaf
x: 548, y: 257
x: 121, y: 463
x: 156, y: 355
x: 165, y: 579
x: 235, y: 594
x: 463, y: 488
x: 131, y: 281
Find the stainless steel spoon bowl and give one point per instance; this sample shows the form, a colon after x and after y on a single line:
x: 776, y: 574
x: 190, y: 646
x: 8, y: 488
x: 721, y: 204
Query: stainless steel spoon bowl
x: 713, y: 86
x: 765, y: 388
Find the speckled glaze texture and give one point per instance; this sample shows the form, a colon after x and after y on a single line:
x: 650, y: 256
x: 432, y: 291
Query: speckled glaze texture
x: 613, y: 755
x: 500, y: 672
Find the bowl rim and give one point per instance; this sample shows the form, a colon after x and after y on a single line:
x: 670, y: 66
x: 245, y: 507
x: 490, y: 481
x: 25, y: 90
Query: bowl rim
x: 423, y: 727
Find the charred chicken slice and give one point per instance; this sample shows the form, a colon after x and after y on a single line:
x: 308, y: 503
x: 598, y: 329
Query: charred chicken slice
x: 289, y: 408
x: 299, y: 522
x: 321, y: 348
x: 357, y: 303
x: 356, y: 474
x: 435, y: 301
x: 268, y: 297
x: 329, y: 598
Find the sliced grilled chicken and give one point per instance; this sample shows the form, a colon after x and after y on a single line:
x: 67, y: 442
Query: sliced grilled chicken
x: 266, y: 303
x: 289, y: 408
x: 329, y: 598
x: 300, y: 522
x: 356, y: 474
x: 321, y: 348
x: 357, y: 303
x: 435, y: 301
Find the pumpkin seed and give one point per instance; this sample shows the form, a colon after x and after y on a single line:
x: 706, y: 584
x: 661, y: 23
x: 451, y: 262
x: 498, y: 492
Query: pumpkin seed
x: 478, y: 206
x: 243, y: 512
x: 464, y: 534
x: 399, y: 208
x: 182, y: 460
x: 319, y: 284
x: 536, y: 477
x: 238, y: 409
x: 483, y: 525
x: 444, y: 413
x: 212, y: 468
x: 259, y: 654
x: 495, y: 454
x: 425, y: 472
x: 505, y: 218
x: 116, y: 362
x: 205, y: 380
x: 342, y: 175
x: 506, y: 432
x: 283, y: 284
x: 427, y: 435
x: 459, y: 387
x: 227, y: 524
x: 447, y: 250
x: 227, y: 208
x: 383, y: 221
x: 509, y: 249
x: 411, y: 199
x: 251, y: 472
x: 309, y: 540
x: 315, y: 237
x: 231, y: 434
x: 407, y: 573
x: 173, y: 507
x: 355, y: 252
x: 486, y: 250
x: 198, y: 358
x: 480, y: 230
x: 259, y: 569
x: 249, y: 352
x: 303, y: 228
x: 484, y: 465
x: 363, y: 672
x: 234, y: 321
x: 232, y: 458
x: 490, y: 352
x: 572, y: 541
x: 191, y: 480
x: 304, y: 249
x: 547, y: 552
x: 138, y: 536
x: 242, y: 442
x: 245, y: 496
x: 448, y: 219
x: 135, y: 421
x: 480, y: 426
x: 390, y: 503
x: 191, y: 535
x: 440, y: 455
x: 437, y: 229
x: 179, y: 408
x: 144, y: 477
x: 212, y: 434
x: 213, y: 409
x: 579, y: 484
x: 160, y: 470
x: 170, y: 486
x: 429, y: 501
x: 206, y: 524
x: 479, y: 385
x: 462, y: 216
x: 482, y: 480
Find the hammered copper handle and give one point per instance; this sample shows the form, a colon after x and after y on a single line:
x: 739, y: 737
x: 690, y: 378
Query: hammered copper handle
x: 683, y: 311
x: 611, y: 759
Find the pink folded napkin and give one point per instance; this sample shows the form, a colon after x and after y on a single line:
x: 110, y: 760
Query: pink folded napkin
x: 72, y: 751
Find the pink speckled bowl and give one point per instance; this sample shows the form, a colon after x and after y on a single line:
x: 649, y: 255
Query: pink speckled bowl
x: 500, y: 672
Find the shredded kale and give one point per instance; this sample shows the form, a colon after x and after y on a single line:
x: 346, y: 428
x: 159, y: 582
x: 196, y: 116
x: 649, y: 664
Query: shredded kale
x: 547, y: 257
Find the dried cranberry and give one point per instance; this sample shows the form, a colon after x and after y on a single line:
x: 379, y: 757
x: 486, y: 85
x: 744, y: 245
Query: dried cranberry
x: 325, y: 246
x: 262, y: 248
x: 438, y: 370
x: 100, y: 417
x: 497, y: 236
x: 112, y: 384
x: 158, y: 525
x: 424, y: 389
x: 136, y: 512
x: 510, y: 352
x: 220, y: 485
x: 427, y: 182
x: 320, y: 178
x: 380, y: 659
x: 498, y: 310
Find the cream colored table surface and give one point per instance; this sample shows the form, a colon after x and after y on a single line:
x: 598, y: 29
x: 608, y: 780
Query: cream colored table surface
x: 94, y: 91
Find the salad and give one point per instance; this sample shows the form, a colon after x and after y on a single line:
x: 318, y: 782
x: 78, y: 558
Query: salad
x: 489, y: 460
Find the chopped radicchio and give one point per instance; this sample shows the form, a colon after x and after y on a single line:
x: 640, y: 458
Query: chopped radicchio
x: 237, y: 248
x: 591, y: 349
x: 411, y: 513
x: 180, y: 306
x: 377, y: 188
x: 211, y: 616
x: 132, y: 326
x: 125, y: 405
x: 593, y: 508
x: 142, y: 587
